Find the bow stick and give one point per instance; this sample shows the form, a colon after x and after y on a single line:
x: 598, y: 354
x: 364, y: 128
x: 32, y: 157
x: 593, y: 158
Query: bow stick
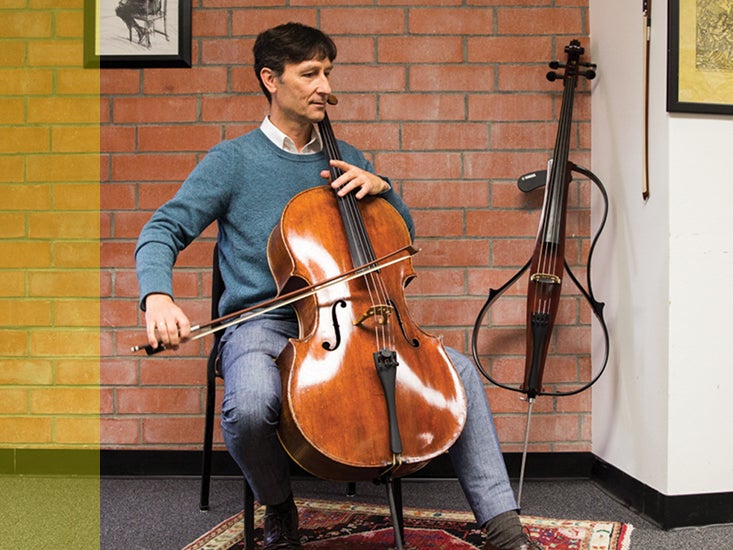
x: 246, y: 314
x: 647, y: 14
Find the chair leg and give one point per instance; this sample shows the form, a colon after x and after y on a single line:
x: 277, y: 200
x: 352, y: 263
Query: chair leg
x: 208, y: 438
x: 249, y: 517
x: 394, y: 494
x: 165, y: 27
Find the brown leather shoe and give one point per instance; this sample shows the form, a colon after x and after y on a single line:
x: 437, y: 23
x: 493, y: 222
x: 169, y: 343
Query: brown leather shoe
x: 281, y: 529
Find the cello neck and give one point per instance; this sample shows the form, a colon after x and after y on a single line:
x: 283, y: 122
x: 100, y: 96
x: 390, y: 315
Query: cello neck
x: 556, y: 190
x: 362, y: 252
x: 555, y: 205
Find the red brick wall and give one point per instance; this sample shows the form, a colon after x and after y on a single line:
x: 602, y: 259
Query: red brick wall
x: 450, y: 101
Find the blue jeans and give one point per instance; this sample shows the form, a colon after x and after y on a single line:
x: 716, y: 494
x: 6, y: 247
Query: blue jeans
x: 251, y: 411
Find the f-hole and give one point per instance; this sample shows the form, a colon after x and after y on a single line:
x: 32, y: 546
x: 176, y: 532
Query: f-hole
x: 414, y: 342
x: 328, y: 346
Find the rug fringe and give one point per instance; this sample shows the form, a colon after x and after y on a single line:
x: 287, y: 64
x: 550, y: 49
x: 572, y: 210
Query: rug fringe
x: 626, y: 529
x: 221, y: 537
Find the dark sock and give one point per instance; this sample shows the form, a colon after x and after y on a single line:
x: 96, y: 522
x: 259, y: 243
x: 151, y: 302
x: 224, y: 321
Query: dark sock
x: 285, y: 506
x: 505, y: 530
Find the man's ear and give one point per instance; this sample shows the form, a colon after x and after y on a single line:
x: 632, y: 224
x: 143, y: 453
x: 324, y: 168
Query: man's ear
x: 269, y: 79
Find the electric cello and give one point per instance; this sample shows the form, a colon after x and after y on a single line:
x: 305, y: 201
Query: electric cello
x: 548, y: 265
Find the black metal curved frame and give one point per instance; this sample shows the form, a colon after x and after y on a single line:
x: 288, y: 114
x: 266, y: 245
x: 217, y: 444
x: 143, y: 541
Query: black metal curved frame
x: 587, y: 292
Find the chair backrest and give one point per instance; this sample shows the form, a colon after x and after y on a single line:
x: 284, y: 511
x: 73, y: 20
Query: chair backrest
x: 154, y: 7
x: 217, y: 289
x: 217, y: 283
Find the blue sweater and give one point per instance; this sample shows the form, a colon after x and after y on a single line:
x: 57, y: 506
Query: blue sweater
x: 243, y: 184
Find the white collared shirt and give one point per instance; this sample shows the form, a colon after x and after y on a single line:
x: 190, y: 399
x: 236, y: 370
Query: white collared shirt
x: 278, y: 137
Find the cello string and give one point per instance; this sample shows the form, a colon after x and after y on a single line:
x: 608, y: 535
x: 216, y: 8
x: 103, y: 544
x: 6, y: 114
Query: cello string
x: 375, y: 284
x: 544, y: 294
x: 377, y: 289
x: 360, y: 240
x: 552, y: 217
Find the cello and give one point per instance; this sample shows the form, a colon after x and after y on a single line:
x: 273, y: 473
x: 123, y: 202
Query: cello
x: 548, y: 265
x: 366, y: 393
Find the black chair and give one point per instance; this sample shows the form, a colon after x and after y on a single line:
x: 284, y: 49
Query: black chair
x: 212, y: 372
x: 394, y: 485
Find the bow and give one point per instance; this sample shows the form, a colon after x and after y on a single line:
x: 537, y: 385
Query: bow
x: 647, y: 14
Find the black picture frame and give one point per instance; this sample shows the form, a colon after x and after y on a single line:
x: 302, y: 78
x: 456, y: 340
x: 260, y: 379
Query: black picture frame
x: 163, y: 41
x: 699, y: 75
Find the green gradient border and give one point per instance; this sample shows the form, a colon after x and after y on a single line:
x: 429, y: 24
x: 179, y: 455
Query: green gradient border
x: 49, y: 278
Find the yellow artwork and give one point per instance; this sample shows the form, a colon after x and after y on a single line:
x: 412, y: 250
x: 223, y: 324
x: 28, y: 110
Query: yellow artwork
x: 704, y: 36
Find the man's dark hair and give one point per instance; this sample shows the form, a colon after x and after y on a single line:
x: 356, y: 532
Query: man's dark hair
x: 289, y: 43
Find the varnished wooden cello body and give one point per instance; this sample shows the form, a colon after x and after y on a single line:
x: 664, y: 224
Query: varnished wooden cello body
x: 367, y: 394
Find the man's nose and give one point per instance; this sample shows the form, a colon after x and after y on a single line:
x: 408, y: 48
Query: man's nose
x: 324, y: 85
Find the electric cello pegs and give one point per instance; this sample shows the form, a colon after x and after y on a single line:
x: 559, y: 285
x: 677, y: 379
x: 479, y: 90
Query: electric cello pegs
x: 555, y: 65
x: 590, y: 74
x: 552, y: 76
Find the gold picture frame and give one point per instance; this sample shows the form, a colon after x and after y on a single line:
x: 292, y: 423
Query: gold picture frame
x: 700, y: 56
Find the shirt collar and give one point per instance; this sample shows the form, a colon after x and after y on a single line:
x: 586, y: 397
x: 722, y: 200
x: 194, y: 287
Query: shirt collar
x: 279, y: 138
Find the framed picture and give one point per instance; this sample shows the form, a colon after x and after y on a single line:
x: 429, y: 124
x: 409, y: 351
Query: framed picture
x: 133, y: 34
x: 700, y: 56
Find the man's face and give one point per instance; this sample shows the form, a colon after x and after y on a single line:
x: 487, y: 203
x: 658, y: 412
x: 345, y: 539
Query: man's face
x: 302, y: 90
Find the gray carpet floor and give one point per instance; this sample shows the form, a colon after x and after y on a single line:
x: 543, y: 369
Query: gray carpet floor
x: 145, y: 513
x: 163, y: 514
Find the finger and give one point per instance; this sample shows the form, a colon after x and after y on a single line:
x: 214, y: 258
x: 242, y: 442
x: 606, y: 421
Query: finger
x: 348, y: 173
x: 342, y: 181
x: 152, y: 335
x: 348, y: 182
x: 362, y: 192
x: 341, y: 165
x: 171, y: 333
x: 184, y: 328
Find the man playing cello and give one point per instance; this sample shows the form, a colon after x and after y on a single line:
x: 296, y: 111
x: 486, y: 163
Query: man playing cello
x: 244, y: 184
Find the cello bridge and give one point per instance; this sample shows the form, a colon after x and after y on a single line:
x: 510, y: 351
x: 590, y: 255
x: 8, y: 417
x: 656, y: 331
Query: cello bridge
x: 380, y: 312
x: 545, y: 278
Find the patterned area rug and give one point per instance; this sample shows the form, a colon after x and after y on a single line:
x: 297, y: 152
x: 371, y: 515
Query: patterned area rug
x: 326, y: 525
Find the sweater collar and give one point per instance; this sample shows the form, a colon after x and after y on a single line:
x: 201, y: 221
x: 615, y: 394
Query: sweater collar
x: 279, y: 138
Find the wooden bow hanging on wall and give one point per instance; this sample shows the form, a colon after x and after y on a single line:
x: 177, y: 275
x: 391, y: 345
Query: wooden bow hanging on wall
x: 646, y: 10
